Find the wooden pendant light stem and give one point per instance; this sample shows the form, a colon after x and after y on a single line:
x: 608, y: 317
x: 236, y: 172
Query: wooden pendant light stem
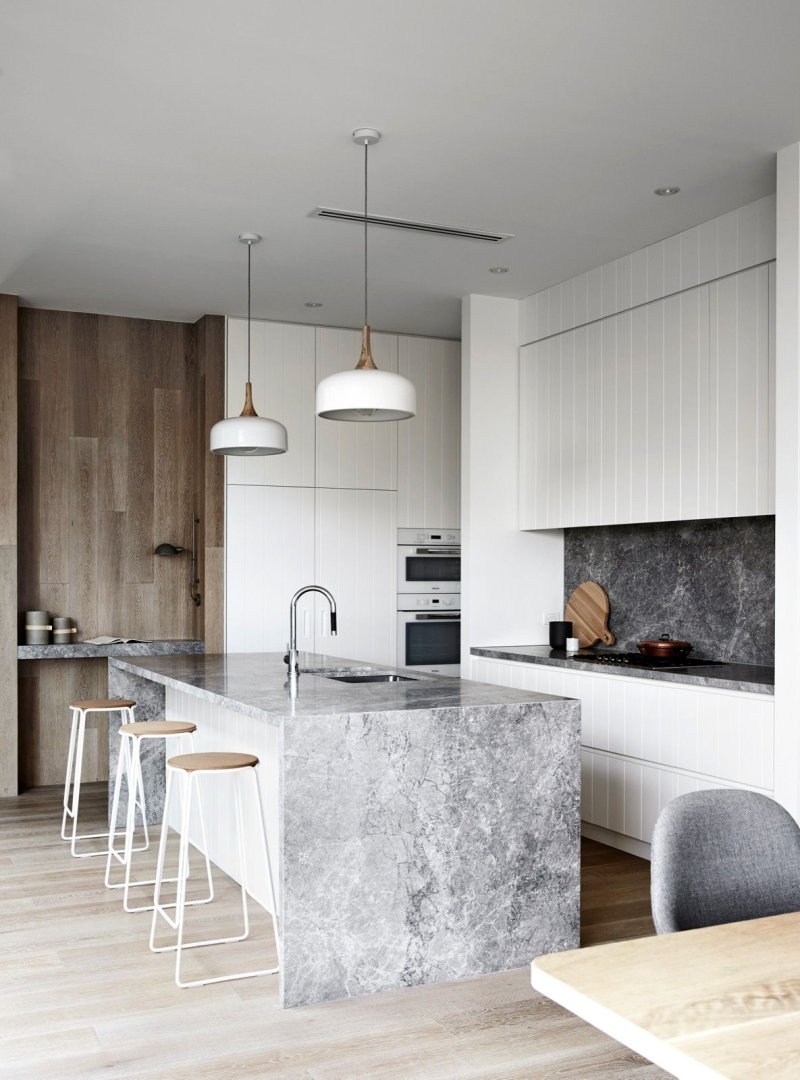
x: 249, y: 408
x: 366, y: 362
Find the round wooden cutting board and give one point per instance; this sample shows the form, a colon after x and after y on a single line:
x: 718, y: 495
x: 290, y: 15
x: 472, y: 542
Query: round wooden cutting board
x: 588, y: 610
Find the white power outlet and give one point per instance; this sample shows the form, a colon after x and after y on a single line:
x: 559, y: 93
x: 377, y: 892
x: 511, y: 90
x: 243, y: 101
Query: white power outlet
x: 551, y: 616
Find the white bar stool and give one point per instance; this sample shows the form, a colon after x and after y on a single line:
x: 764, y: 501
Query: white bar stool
x: 129, y: 767
x: 186, y: 768
x: 80, y: 710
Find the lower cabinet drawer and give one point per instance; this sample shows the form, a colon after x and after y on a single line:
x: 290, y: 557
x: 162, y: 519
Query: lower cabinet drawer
x: 627, y: 796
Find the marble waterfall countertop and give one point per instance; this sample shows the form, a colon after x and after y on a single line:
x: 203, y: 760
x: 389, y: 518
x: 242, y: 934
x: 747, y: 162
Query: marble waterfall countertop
x: 81, y: 650
x: 255, y: 684
x: 423, y: 831
x: 745, y: 678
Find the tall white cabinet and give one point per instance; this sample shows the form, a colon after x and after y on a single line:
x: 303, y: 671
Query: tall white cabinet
x: 662, y: 412
x: 429, y: 445
x: 327, y: 512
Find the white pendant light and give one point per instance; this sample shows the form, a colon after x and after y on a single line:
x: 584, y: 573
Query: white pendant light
x: 365, y: 393
x: 248, y: 435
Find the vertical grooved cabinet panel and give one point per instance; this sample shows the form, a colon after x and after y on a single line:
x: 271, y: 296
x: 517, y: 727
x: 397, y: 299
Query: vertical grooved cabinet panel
x: 645, y: 742
x: 534, y: 436
x: 355, y: 559
x: 355, y: 455
x: 428, y: 445
x: 606, y: 401
x: 741, y: 431
x: 270, y: 552
x: 661, y: 413
x: 283, y: 373
x: 654, y: 359
x: 555, y: 457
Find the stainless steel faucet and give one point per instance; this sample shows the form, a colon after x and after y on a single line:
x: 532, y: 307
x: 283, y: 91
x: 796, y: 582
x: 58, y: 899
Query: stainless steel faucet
x: 292, y: 657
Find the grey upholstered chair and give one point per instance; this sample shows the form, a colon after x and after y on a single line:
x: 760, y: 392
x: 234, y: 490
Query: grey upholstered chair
x: 722, y: 856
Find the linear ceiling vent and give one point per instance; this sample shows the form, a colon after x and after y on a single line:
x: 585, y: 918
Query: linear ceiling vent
x: 413, y: 226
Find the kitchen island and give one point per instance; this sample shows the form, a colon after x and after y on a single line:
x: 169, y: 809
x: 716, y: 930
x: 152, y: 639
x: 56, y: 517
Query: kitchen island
x: 423, y: 830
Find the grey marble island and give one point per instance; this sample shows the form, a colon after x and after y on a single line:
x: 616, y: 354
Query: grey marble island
x: 423, y: 830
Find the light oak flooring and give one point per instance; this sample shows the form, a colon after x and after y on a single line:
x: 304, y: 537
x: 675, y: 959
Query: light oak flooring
x: 82, y: 997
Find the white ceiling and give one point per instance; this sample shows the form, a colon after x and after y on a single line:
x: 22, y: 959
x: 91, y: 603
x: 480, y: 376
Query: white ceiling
x: 137, y: 139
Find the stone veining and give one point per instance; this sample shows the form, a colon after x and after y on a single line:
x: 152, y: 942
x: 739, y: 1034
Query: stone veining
x: 710, y: 582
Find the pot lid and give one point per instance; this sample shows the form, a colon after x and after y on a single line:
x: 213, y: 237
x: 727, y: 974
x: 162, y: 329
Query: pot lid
x: 666, y: 642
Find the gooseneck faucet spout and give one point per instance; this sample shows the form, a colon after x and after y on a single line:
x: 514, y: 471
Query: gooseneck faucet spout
x: 292, y: 658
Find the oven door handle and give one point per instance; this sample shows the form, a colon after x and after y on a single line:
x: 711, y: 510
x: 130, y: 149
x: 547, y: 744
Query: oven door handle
x: 437, y: 551
x: 453, y: 616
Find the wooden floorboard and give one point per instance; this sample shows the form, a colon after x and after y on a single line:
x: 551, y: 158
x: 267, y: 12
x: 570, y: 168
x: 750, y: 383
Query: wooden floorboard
x: 82, y: 997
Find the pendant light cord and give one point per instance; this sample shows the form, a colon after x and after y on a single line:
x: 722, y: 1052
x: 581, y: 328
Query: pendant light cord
x: 249, y: 253
x: 366, y: 188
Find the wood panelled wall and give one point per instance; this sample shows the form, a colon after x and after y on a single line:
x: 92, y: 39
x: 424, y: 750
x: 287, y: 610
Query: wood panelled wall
x: 110, y: 466
x: 8, y: 545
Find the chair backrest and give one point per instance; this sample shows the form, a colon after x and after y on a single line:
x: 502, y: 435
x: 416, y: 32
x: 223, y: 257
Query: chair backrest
x: 723, y: 856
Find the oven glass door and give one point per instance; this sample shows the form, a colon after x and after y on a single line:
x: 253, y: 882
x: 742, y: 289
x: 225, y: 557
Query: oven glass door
x: 425, y: 570
x: 431, y: 640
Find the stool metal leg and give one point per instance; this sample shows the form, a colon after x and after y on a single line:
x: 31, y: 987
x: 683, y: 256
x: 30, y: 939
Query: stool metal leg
x: 68, y: 780
x: 135, y: 794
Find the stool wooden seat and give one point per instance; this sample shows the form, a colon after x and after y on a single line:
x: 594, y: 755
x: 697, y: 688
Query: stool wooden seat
x: 213, y: 761
x: 158, y: 727
x: 103, y: 704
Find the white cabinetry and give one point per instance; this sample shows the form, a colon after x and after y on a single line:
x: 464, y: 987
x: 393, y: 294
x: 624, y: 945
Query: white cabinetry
x: 269, y: 544
x: 354, y: 455
x: 429, y: 445
x: 741, y: 396
x: 645, y: 742
x: 356, y: 559
x: 326, y: 512
x: 660, y: 413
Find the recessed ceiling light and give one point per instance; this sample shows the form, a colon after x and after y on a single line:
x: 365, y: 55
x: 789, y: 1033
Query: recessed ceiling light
x: 313, y: 303
x: 498, y: 269
x: 667, y: 190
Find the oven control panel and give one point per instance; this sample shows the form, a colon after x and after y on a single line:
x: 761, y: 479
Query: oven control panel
x: 445, y: 602
x: 429, y: 537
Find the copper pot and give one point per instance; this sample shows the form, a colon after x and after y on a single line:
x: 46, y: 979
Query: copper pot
x: 666, y: 648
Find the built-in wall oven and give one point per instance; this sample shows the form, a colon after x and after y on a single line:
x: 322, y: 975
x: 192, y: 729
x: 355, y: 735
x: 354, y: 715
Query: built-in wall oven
x: 429, y: 600
x: 429, y: 633
x: 428, y: 561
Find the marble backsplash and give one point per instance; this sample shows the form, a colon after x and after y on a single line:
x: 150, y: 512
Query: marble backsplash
x: 710, y: 582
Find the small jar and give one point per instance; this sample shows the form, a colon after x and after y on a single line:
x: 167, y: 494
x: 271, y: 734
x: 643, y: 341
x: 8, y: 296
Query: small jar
x: 64, y: 630
x: 37, y: 627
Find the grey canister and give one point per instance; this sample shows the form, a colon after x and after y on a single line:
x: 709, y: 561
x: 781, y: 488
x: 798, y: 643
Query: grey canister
x: 64, y: 630
x: 37, y: 627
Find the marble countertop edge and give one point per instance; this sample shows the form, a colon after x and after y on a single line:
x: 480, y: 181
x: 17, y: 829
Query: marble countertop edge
x: 324, y: 697
x: 739, y: 678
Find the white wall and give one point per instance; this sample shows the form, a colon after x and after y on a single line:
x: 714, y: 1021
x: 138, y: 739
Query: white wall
x: 509, y: 578
x: 787, y: 483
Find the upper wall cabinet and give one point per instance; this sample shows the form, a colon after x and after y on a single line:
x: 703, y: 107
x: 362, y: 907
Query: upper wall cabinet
x: 282, y: 362
x: 353, y: 455
x: 742, y: 386
x: 429, y: 446
x: 660, y: 413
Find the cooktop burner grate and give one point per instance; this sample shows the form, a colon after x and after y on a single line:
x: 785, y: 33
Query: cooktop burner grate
x: 632, y: 659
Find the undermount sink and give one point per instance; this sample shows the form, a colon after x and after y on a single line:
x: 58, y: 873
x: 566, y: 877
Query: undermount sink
x: 377, y: 677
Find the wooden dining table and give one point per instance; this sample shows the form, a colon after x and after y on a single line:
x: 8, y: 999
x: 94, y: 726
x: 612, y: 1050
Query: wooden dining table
x: 720, y: 1002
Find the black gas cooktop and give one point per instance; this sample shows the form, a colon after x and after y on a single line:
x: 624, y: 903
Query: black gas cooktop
x: 635, y: 659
